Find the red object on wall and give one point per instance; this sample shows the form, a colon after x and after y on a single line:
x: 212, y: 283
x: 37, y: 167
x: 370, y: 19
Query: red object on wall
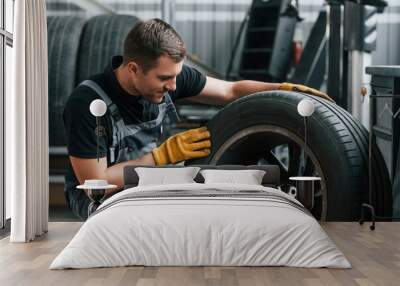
x: 297, y: 51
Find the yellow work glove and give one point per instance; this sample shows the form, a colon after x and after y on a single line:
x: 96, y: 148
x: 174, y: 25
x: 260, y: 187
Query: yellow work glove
x: 194, y: 143
x: 305, y: 89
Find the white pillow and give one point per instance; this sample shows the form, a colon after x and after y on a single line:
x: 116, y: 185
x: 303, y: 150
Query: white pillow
x: 163, y: 176
x: 248, y: 177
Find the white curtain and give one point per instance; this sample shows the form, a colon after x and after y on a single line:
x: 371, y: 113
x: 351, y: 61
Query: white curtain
x: 27, y: 124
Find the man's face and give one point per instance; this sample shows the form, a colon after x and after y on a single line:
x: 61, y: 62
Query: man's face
x: 155, y: 82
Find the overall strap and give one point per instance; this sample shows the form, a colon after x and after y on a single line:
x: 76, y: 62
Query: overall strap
x: 115, y: 115
x: 171, y: 110
x: 100, y: 92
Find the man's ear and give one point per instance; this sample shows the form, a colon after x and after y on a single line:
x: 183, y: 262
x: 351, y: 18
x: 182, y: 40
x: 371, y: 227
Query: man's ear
x: 133, y: 67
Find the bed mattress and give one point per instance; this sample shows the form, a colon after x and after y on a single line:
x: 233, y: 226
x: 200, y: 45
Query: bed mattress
x: 201, y: 225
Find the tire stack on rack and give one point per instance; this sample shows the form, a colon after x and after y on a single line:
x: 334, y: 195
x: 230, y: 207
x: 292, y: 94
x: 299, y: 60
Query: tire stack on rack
x: 77, y: 49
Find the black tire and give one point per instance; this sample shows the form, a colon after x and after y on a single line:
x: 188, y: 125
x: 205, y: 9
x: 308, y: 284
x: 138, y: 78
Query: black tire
x: 103, y: 37
x: 337, y: 144
x: 63, y: 41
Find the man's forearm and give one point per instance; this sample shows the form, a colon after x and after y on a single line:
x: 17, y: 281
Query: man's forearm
x: 114, y: 174
x: 246, y: 87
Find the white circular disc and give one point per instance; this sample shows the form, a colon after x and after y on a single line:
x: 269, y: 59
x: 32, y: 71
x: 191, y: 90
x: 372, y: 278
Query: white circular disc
x: 305, y: 107
x: 98, y: 107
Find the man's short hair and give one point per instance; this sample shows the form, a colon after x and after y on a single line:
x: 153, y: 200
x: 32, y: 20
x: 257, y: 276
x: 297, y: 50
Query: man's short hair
x: 149, y: 40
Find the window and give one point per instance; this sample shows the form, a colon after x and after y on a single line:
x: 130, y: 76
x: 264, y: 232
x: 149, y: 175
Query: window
x: 6, y: 43
x: 9, y: 13
x: 8, y: 62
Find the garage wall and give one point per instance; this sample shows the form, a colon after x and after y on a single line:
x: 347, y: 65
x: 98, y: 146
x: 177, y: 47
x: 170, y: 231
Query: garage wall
x: 387, y: 52
x: 388, y: 42
x: 209, y: 27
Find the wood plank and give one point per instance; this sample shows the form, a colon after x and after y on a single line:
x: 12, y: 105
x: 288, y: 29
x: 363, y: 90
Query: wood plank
x: 374, y: 255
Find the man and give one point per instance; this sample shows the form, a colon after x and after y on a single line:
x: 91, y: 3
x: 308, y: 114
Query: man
x: 139, y: 89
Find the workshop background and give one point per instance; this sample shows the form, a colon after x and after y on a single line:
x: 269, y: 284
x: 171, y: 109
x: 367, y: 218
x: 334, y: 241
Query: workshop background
x: 210, y: 27
x: 215, y: 35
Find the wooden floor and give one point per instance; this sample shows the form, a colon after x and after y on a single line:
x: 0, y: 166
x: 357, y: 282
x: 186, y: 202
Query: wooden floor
x: 375, y: 257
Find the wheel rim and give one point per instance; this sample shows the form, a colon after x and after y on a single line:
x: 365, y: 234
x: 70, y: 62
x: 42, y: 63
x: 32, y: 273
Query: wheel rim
x: 273, y: 138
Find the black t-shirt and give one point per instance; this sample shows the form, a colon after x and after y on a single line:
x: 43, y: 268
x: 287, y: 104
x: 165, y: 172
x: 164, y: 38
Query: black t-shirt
x: 80, y: 124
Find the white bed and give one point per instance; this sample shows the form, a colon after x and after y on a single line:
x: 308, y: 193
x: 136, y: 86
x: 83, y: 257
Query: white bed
x: 201, y: 224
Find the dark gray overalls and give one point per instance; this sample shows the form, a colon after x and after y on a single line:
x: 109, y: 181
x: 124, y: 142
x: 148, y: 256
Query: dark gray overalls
x: 128, y: 141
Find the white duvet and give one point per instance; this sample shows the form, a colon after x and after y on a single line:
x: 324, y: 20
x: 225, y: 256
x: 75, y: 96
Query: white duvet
x: 206, y: 230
